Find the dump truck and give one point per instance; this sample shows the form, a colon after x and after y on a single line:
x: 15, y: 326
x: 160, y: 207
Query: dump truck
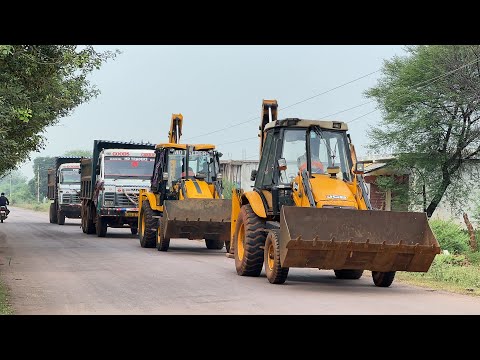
x: 185, y: 197
x: 110, y: 183
x: 309, y: 208
x: 63, y: 181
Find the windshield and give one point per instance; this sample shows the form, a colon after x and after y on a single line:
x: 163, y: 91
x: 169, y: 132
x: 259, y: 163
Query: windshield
x: 128, y: 167
x: 69, y: 176
x: 200, y: 162
x: 327, y: 148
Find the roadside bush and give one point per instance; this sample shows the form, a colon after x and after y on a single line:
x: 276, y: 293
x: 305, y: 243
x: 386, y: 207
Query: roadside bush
x: 473, y: 257
x: 450, y: 236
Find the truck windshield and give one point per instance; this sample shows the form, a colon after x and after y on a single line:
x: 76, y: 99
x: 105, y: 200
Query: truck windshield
x: 327, y: 148
x: 69, y: 176
x: 200, y: 162
x: 116, y: 167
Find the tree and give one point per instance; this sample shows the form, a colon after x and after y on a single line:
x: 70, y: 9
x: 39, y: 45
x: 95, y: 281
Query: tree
x: 40, y: 171
x: 79, y: 153
x: 39, y: 84
x: 430, y: 101
x: 14, y: 185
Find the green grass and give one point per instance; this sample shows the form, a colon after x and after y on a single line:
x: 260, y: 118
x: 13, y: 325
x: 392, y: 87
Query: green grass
x: 5, y: 308
x: 43, y: 207
x: 455, y: 273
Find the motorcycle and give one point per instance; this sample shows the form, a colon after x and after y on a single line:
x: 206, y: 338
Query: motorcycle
x: 3, y: 213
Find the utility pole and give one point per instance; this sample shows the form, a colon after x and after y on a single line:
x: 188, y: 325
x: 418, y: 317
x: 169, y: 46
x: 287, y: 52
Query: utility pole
x: 38, y: 183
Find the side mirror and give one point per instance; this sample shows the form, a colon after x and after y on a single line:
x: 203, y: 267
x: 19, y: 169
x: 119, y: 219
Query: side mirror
x: 359, y: 168
x: 253, y: 175
x: 97, y: 170
x: 220, y: 154
x: 282, y: 164
x: 165, y: 176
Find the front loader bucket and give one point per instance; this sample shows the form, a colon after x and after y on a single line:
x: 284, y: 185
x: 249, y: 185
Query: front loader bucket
x: 356, y: 239
x: 198, y: 219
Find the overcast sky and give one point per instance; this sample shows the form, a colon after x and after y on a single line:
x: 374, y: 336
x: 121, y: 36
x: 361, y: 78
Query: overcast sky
x: 215, y: 87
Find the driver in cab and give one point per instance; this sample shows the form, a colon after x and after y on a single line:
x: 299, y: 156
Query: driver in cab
x: 317, y: 166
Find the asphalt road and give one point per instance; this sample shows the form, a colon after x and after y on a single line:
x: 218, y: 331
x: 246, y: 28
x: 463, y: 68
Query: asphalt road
x: 52, y: 269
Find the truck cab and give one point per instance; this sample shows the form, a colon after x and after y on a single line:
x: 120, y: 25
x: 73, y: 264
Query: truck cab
x: 122, y: 173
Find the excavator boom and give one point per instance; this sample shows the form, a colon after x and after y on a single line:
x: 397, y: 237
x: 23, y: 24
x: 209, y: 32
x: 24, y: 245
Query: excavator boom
x: 175, y: 129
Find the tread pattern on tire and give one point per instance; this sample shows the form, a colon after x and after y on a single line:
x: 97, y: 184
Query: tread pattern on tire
x: 383, y: 279
x: 148, y: 240
x: 101, y: 227
x: 163, y: 244
x: 279, y: 274
x: 214, y: 244
x: 90, y: 225
x: 60, y: 218
x: 255, y: 235
x: 351, y: 274
x: 53, y: 213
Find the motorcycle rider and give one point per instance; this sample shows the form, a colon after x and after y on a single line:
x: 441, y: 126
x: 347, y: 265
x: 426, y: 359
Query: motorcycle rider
x: 4, y: 202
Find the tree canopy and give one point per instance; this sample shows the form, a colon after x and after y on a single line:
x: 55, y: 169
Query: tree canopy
x: 430, y: 101
x: 40, y: 84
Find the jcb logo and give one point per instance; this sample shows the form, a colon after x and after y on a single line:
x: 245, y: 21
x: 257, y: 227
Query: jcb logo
x: 120, y: 153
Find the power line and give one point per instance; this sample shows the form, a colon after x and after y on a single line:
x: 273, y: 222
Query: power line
x: 427, y: 82
x: 289, y: 106
x: 236, y: 141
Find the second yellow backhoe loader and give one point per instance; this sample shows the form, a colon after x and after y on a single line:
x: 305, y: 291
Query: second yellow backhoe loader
x: 309, y: 208
x: 185, y: 198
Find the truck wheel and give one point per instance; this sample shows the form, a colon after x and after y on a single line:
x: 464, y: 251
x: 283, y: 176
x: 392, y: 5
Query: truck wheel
x: 89, y: 224
x: 53, y: 214
x: 214, y: 244
x: 383, y: 279
x: 276, y: 274
x: 101, y: 226
x: 147, y: 226
x: 348, y: 274
x: 162, y: 243
x: 60, y: 217
x: 249, y: 241
x: 134, y: 231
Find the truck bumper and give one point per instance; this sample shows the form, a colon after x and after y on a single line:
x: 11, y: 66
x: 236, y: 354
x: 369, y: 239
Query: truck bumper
x: 72, y: 211
x: 126, y: 212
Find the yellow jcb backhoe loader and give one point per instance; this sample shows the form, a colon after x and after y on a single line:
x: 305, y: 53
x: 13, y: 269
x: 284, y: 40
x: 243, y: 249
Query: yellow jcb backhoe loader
x: 309, y: 208
x: 185, y: 199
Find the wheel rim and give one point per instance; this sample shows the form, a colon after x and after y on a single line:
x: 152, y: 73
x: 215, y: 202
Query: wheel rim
x: 240, y: 242
x: 270, y: 256
x: 142, y: 226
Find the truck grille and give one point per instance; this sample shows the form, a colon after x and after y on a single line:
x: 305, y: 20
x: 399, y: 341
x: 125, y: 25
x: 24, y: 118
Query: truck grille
x: 70, y: 199
x: 121, y: 200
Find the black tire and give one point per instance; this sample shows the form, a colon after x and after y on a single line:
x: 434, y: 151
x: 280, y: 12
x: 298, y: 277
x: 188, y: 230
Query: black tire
x: 162, y: 243
x: 383, y: 279
x: 53, y: 214
x: 248, y: 251
x: 214, y: 244
x: 60, y: 217
x: 134, y: 230
x: 1, y: 220
x: 276, y: 274
x: 350, y: 274
x: 89, y: 224
x: 101, y: 226
x: 147, y: 226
